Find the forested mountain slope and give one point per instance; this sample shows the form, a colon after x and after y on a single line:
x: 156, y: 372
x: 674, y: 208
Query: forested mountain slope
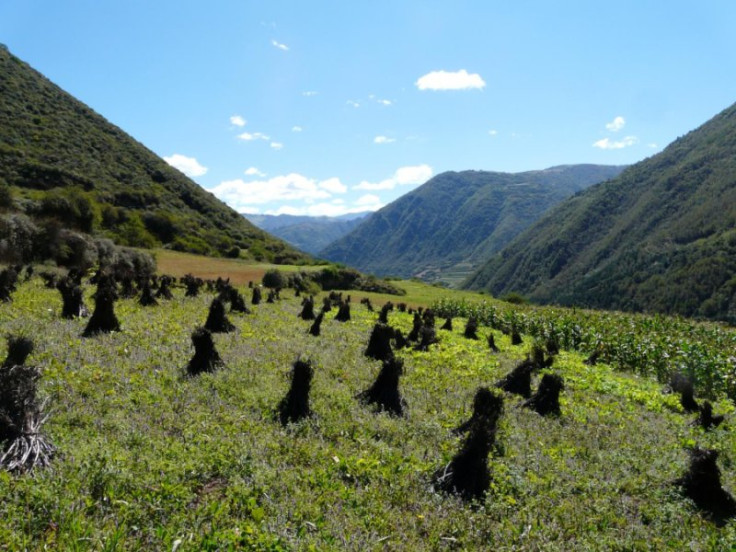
x: 60, y: 161
x: 658, y: 238
x: 457, y: 220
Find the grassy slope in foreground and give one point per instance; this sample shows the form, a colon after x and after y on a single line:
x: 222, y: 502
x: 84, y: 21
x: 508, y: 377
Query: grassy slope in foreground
x: 148, y: 458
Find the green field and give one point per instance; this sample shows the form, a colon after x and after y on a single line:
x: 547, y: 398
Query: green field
x: 150, y: 459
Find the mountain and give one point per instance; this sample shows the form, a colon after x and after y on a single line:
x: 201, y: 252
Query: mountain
x: 661, y: 237
x: 60, y: 161
x: 310, y: 234
x: 450, y: 225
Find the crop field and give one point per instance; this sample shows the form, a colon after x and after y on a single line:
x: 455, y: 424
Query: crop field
x: 150, y: 458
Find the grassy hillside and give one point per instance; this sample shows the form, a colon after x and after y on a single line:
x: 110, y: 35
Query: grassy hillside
x: 449, y: 226
x: 150, y: 459
x: 310, y: 234
x: 62, y: 164
x: 658, y: 238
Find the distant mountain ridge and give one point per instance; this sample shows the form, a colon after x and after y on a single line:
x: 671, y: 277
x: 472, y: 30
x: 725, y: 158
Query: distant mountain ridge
x: 450, y: 225
x: 661, y: 237
x: 309, y: 234
x: 61, y: 162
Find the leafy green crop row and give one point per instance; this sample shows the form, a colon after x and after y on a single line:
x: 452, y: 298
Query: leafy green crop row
x: 653, y: 346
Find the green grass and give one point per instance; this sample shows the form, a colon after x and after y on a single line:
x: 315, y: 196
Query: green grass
x: 149, y: 458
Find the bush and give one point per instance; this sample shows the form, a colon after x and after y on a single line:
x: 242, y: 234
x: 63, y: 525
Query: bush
x: 20, y: 238
x: 75, y: 250
x: 514, y: 298
x: 274, y: 279
x: 6, y: 196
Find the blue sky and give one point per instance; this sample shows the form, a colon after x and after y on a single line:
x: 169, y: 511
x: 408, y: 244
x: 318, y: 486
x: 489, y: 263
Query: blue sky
x: 331, y: 107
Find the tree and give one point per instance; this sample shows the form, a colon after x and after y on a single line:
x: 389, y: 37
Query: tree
x: 274, y: 279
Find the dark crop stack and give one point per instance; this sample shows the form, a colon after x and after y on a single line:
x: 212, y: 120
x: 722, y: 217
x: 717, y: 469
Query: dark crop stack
x: 519, y: 380
x: 164, y: 288
x: 72, y: 299
x: 486, y: 404
x: 147, y: 298
x: 546, y: 401
x: 467, y: 474
x: 307, y: 312
x: 295, y: 405
x: 384, y: 393
x: 702, y: 484
x: 471, y: 328
x: 103, y: 319
x: 206, y: 358
x: 256, y: 296
x: 217, y: 320
x: 314, y: 329
x: 343, y: 312
x: 21, y: 417
x: 379, y: 343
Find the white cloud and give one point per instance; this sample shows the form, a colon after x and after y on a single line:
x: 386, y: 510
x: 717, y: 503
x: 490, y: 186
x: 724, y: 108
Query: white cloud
x: 386, y: 102
x: 309, y: 93
x: 237, y: 120
x: 447, y: 80
x: 250, y: 136
x: 280, y: 46
x: 493, y: 132
x: 333, y: 185
x: 277, y: 145
x: 653, y: 145
x: 617, y: 124
x: 296, y: 129
x: 353, y: 103
x: 608, y: 144
x: 404, y: 176
x: 188, y: 165
x: 252, y: 171
x: 291, y: 187
x: 383, y: 140
x: 368, y: 199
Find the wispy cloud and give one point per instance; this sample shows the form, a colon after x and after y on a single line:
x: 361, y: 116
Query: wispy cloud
x: 404, y: 176
x: 608, y: 144
x: 383, y: 140
x: 238, y: 121
x: 250, y: 136
x: 385, y: 102
x: 493, y: 132
x: 280, y: 46
x: 296, y: 129
x: 449, y: 80
x: 253, y: 171
x: 617, y: 124
x: 353, y: 103
x: 309, y: 93
x: 188, y: 165
x: 277, y: 145
x: 333, y: 185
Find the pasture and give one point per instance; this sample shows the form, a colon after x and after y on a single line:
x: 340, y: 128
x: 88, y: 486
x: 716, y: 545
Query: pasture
x: 149, y: 458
